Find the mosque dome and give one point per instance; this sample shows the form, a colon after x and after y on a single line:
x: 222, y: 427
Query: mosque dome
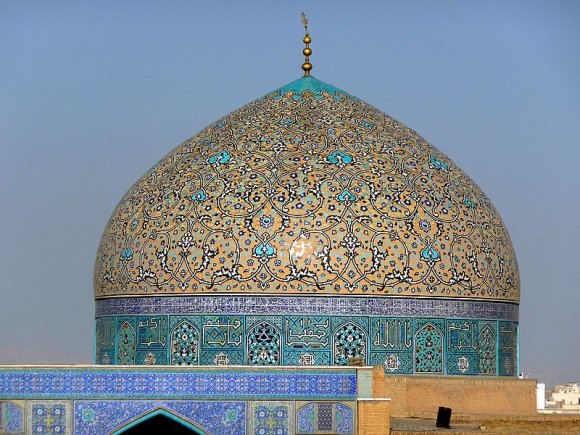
x: 307, y: 190
x: 308, y: 228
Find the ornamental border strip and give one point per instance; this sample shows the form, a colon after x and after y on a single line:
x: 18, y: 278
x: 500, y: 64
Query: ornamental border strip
x: 176, y: 384
x: 312, y: 305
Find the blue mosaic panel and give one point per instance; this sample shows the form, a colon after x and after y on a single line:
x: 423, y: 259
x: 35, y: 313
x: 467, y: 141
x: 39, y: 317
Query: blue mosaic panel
x: 11, y: 418
x: 392, y: 333
x: 325, y: 417
x: 349, y: 339
x: 222, y: 357
x: 307, y: 358
x: 163, y: 383
x: 462, y: 364
x: 151, y: 357
x: 508, y: 338
x: 152, y: 332
x: 429, y: 345
x: 264, y: 342
x: 306, y: 417
x: 309, y: 305
x: 222, y: 340
x: 126, y: 341
x: 487, y: 348
x: 105, y: 416
x: 50, y: 417
x: 395, y: 363
x: 462, y: 347
x: 271, y: 418
x: 105, y: 340
x: 344, y: 418
x: 507, y: 365
x: 184, y: 346
x: 462, y: 335
x: 307, y: 332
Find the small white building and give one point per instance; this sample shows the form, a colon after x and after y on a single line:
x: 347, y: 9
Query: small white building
x: 540, y: 396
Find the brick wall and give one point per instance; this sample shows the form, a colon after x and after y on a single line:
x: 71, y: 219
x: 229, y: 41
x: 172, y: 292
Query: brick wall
x: 373, y: 417
x: 422, y: 395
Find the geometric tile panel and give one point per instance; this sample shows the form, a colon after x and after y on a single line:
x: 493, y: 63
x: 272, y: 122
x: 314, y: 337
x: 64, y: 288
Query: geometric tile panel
x: 271, y: 418
x: 462, y: 364
x: 49, y: 417
x: 325, y: 417
x: 394, y: 363
x: 403, y: 345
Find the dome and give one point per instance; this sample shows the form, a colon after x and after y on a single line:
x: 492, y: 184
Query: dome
x: 307, y: 190
x: 308, y: 228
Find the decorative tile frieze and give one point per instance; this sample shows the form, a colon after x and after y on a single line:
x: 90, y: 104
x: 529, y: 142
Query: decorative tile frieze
x: 179, y: 383
x: 309, y: 305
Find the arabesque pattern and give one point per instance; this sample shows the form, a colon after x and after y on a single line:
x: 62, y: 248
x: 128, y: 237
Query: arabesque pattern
x: 306, y: 190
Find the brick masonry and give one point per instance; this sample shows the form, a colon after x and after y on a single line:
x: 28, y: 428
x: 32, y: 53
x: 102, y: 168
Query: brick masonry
x: 422, y: 395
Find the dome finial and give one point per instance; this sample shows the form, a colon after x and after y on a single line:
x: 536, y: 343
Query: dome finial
x: 306, y: 66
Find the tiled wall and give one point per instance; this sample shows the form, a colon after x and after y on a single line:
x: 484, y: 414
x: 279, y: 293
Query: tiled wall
x: 402, y: 345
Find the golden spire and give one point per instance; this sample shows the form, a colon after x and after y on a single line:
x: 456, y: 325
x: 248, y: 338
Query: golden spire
x: 306, y: 66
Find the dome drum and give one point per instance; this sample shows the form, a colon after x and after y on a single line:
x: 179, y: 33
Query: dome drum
x: 405, y: 335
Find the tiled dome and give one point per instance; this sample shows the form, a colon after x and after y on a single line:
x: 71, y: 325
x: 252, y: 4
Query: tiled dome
x: 306, y: 190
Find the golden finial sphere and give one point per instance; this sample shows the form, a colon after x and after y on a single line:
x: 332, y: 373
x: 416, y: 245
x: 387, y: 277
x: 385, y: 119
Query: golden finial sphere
x: 307, y: 39
x: 307, y: 51
x: 306, y: 66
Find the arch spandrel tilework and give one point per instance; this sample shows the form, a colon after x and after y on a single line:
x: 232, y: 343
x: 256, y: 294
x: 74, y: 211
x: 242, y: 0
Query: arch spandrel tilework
x: 307, y: 190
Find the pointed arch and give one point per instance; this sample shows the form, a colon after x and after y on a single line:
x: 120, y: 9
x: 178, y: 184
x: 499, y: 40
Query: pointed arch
x: 487, y: 351
x: 429, y: 349
x: 126, y: 339
x: 159, y: 413
x: 264, y: 344
x: 348, y: 341
x: 184, y: 344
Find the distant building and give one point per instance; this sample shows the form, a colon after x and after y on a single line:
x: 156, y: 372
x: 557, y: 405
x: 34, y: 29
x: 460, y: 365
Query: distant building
x: 565, y: 397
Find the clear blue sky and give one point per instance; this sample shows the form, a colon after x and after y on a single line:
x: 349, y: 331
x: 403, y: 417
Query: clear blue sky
x: 92, y: 94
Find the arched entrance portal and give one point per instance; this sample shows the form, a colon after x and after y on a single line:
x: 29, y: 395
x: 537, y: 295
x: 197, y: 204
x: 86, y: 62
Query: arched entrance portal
x: 159, y: 421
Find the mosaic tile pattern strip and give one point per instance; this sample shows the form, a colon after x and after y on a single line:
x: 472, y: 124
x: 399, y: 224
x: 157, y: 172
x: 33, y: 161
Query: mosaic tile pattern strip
x: 177, y: 384
x: 104, y: 416
x: 325, y: 417
x: 404, y: 345
x: 313, y: 305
